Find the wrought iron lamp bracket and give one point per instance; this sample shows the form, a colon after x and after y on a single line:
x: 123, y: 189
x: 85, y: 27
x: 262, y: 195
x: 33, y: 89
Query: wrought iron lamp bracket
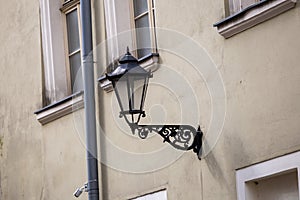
x: 129, y: 74
x: 182, y: 137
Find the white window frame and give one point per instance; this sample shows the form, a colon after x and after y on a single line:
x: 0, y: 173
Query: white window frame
x: 55, y: 82
x: 60, y: 100
x: 151, y: 19
x: 266, y: 169
x: 55, y: 48
x: 115, y: 47
x: 113, y: 28
x: 158, y: 195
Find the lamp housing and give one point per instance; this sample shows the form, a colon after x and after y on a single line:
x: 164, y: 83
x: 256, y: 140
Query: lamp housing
x: 130, y: 83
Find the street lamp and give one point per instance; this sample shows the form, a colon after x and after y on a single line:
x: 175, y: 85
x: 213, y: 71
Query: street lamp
x: 130, y: 82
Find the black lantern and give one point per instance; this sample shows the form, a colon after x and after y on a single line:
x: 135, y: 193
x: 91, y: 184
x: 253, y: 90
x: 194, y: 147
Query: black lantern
x: 130, y: 82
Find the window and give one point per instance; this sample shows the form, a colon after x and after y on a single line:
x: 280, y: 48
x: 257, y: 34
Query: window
x: 282, y: 186
x: 130, y: 23
x: 238, y: 5
x: 62, y: 86
x: 61, y: 49
x: 273, y: 179
x: 143, y: 17
x: 160, y: 195
x: 72, y: 19
x: 244, y: 14
x: 54, y: 62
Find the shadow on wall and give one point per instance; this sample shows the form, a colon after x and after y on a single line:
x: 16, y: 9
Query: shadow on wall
x: 216, y: 171
x: 103, y: 179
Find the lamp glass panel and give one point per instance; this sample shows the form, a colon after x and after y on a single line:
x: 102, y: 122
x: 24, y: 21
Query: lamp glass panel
x: 138, y: 92
x: 122, y: 93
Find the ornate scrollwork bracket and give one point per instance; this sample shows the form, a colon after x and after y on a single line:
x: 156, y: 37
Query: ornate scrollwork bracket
x: 182, y: 137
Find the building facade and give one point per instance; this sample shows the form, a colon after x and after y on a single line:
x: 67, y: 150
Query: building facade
x: 230, y: 67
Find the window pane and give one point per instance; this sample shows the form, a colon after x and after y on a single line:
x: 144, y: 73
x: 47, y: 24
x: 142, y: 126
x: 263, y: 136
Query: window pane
x: 142, y: 22
x: 140, y: 6
x: 143, y: 36
x: 76, y: 72
x: 73, y: 31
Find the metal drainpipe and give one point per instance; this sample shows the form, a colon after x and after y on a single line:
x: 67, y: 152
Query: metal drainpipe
x: 89, y: 100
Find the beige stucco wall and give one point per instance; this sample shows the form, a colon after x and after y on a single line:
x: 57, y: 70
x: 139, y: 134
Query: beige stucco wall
x: 36, y: 162
x: 263, y: 87
x: 21, y: 141
x: 64, y: 158
x: 259, y: 68
x: 260, y: 71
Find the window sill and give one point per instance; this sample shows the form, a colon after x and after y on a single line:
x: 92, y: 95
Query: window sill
x: 148, y: 62
x: 60, y: 108
x: 252, y: 16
